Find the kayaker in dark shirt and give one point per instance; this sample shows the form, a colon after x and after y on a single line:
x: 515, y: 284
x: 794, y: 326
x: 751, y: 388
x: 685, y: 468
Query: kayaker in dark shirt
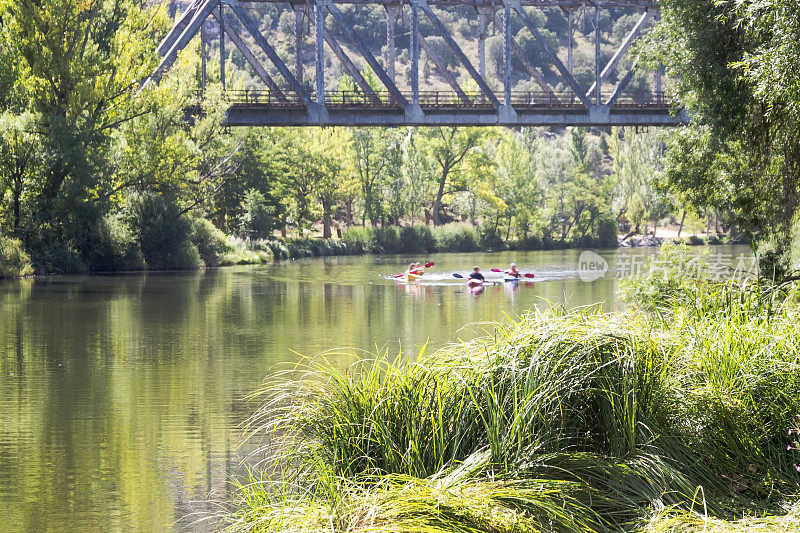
x: 476, y: 274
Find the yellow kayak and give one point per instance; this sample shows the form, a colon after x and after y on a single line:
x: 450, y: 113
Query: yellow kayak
x: 413, y: 277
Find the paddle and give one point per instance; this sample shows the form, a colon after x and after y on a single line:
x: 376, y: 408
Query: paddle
x: 527, y: 275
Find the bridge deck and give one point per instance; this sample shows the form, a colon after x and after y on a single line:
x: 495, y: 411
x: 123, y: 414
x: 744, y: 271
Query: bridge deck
x: 528, y: 108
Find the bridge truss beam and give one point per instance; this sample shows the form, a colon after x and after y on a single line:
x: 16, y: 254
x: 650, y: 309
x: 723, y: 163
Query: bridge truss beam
x: 397, y: 102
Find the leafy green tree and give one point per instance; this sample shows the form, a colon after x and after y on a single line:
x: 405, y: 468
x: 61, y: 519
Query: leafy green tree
x: 370, y: 156
x: 519, y: 187
x: 255, y: 170
x: 73, y: 67
x: 417, y: 171
x: 258, y: 217
x: 577, y: 193
x: 451, y: 149
x: 735, y: 66
x: 638, y: 164
x: 20, y: 155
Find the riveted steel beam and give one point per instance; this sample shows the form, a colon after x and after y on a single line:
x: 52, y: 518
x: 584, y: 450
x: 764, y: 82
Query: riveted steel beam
x: 637, y: 29
x: 565, y: 74
x: 252, y: 28
x: 366, y: 54
x: 423, y: 4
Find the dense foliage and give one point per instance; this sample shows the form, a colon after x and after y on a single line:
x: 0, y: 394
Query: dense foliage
x: 578, y: 422
x: 735, y: 63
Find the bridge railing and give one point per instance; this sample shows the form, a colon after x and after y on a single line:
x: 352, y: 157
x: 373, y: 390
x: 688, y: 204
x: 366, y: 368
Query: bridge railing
x: 438, y: 100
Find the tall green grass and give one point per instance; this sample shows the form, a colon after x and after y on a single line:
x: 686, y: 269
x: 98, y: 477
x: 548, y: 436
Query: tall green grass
x: 554, y: 422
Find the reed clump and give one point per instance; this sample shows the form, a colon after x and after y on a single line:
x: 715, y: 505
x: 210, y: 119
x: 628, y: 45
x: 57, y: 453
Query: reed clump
x: 635, y: 421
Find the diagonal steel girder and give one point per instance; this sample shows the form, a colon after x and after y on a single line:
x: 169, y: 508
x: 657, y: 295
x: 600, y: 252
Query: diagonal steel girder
x: 367, y: 55
x: 179, y: 37
x: 623, y: 84
x: 273, y: 56
x: 448, y: 76
x: 423, y: 4
x: 565, y: 73
x: 350, y: 67
x: 253, y: 60
x: 178, y: 28
x: 532, y: 70
x: 637, y: 29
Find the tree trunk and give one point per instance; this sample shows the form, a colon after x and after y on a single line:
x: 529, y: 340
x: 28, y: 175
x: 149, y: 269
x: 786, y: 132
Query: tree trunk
x: 683, y: 219
x: 326, y: 220
x: 349, y: 210
x: 437, y: 204
x: 17, y: 194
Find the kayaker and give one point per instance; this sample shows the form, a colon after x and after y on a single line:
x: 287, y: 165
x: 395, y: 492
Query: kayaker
x: 476, y: 274
x: 512, y: 271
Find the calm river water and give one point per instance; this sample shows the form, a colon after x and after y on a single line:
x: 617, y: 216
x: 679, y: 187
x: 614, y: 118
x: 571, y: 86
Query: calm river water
x: 121, y: 398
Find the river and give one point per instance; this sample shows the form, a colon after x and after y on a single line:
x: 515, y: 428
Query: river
x: 122, y: 397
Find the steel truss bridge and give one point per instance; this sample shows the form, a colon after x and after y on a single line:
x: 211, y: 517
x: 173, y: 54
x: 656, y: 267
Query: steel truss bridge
x: 296, y: 102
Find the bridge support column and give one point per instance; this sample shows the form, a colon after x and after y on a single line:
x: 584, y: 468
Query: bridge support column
x: 319, y: 14
x: 414, y: 43
x: 598, y: 69
x: 484, y: 16
x: 222, y: 46
x: 300, y: 11
x: 392, y: 12
x: 507, y: 53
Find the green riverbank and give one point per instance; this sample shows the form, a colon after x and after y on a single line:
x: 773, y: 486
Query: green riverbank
x: 203, y: 245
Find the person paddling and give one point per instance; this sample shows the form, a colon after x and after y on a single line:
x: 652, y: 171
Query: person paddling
x: 476, y: 274
x: 512, y: 271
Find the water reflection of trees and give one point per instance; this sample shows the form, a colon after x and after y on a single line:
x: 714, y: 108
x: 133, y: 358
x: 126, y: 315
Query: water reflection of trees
x: 120, y: 396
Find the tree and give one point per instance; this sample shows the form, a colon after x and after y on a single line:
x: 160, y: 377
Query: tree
x: 416, y: 168
x: 78, y: 62
x: 73, y: 67
x: 19, y: 156
x: 310, y: 161
x: 370, y: 155
x: 258, y: 218
x: 450, y: 148
x: 519, y: 187
x: 329, y: 186
x: 576, y: 191
x: 735, y: 66
x: 638, y: 164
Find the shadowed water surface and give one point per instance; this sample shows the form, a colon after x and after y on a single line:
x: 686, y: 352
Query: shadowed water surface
x: 121, y: 397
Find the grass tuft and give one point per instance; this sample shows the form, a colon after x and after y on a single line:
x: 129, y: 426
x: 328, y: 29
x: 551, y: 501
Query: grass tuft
x: 636, y: 421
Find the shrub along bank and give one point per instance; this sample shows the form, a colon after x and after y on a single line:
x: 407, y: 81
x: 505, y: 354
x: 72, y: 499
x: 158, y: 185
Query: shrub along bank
x: 14, y: 262
x: 152, y: 234
x: 661, y: 421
